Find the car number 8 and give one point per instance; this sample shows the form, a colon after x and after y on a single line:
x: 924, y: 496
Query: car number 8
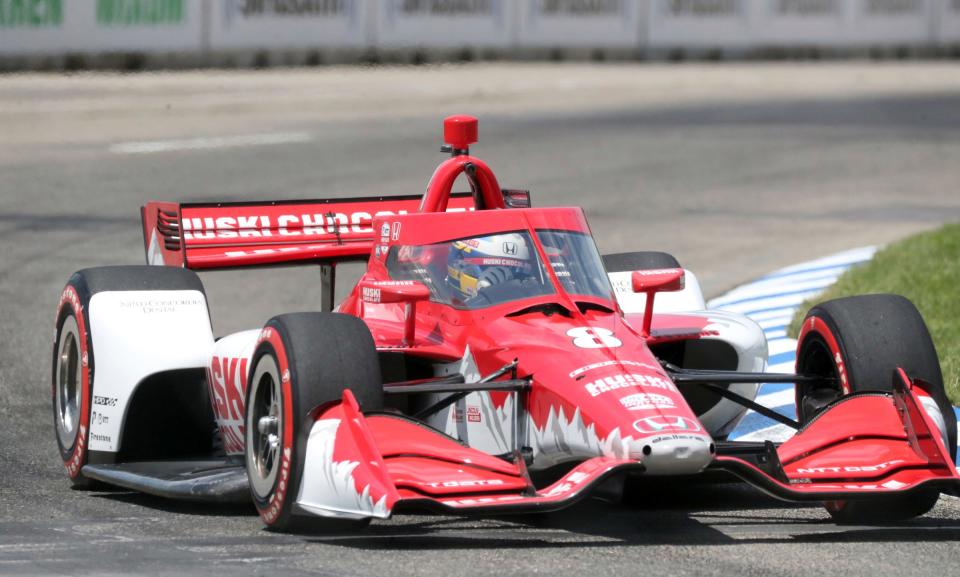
x: 594, y: 338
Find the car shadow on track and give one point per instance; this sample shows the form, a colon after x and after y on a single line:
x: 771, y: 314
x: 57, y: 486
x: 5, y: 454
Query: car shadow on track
x: 178, y: 507
x: 729, y: 514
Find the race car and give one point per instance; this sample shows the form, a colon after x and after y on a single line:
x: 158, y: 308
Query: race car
x: 488, y: 361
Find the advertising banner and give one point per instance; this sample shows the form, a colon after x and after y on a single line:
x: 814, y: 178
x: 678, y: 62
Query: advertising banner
x: 446, y: 23
x: 803, y: 23
x: 97, y: 26
x: 577, y: 23
x: 886, y: 22
x: 699, y: 23
x: 948, y: 22
x: 258, y: 24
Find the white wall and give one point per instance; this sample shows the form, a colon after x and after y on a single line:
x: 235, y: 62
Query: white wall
x: 200, y: 27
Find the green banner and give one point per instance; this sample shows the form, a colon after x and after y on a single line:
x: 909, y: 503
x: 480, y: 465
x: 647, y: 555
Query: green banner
x: 30, y: 13
x: 139, y: 12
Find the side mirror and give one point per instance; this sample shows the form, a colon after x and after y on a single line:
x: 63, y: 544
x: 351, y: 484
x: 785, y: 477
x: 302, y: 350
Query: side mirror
x: 658, y: 280
x: 409, y: 292
x: 393, y: 291
x: 514, y: 198
x: 651, y: 282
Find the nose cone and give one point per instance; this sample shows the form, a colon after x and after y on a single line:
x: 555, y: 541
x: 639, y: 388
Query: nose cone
x: 679, y: 454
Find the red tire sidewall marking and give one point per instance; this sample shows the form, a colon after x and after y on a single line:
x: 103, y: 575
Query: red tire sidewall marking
x: 817, y: 325
x: 78, y: 453
x: 270, y: 512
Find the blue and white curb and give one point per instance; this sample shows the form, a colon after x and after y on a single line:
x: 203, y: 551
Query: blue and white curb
x: 771, y: 302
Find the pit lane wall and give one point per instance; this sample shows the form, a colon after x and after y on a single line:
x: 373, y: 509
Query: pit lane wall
x: 202, y: 32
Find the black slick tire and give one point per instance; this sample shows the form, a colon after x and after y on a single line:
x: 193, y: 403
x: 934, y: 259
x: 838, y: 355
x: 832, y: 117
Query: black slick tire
x: 859, y: 341
x: 74, y: 363
x: 306, y: 360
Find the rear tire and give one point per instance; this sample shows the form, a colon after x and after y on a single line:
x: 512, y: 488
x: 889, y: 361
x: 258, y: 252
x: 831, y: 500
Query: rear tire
x: 860, y: 341
x: 302, y: 361
x: 73, y: 354
x: 646, y: 260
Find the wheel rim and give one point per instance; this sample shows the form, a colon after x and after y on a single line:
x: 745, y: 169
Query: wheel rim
x: 68, y: 387
x: 816, y: 360
x: 264, y: 426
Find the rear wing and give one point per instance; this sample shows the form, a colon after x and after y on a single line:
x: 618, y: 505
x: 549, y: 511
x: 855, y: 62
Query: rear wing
x: 242, y: 234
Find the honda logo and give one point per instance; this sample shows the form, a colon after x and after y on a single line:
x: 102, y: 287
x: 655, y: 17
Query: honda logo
x: 510, y: 248
x: 665, y: 423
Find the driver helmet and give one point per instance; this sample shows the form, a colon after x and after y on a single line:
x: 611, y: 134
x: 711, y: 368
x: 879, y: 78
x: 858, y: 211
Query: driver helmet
x: 477, y: 263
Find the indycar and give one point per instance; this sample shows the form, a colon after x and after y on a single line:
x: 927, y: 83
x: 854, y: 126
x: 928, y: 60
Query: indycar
x: 488, y: 361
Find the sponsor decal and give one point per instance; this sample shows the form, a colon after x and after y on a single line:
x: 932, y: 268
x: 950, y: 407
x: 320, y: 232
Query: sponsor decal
x: 385, y: 232
x: 371, y: 295
x: 99, y: 418
x: 580, y: 7
x: 852, y: 469
x: 594, y: 338
x: 105, y: 401
x: 276, y: 501
x: 586, y: 368
x: 443, y: 7
x: 654, y: 271
x: 288, y: 8
x: 510, y: 248
x: 568, y: 484
x: 140, y: 12
x: 841, y: 370
x: 678, y: 437
x: 703, y: 8
x: 496, y: 261
x: 640, y: 401
x: 395, y: 231
x: 73, y: 465
x: 661, y: 424
x: 466, y: 483
x: 101, y: 438
x: 31, y: 13
x: 160, y: 305
x: 803, y: 8
x: 481, y: 500
x: 627, y: 380
x: 893, y: 7
x: 472, y: 414
x: 228, y: 386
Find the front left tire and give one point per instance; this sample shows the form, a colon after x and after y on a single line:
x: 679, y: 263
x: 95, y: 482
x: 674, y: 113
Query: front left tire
x: 303, y: 361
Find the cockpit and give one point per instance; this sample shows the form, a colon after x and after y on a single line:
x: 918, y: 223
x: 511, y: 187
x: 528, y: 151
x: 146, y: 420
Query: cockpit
x: 481, y: 271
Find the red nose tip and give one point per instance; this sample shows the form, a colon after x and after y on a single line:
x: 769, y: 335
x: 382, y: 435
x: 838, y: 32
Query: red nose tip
x: 460, y: 131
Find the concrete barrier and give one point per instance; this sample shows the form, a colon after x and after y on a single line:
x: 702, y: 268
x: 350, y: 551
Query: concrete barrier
x: 201, y: 32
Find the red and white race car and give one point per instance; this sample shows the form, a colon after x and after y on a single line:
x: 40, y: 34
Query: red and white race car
x: 488, y: 361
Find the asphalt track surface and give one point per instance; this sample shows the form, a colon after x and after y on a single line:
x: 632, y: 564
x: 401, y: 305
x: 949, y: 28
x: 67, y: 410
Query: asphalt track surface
x: 734, y: 187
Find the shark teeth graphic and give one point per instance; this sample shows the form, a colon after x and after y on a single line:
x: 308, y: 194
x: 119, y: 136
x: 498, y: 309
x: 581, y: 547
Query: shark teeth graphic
x: 328, y: 487
x: 562, y: 439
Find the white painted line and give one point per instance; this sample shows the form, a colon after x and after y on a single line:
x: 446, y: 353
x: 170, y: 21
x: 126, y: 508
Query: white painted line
x: 770, y: 302
x: 207, y: 143
x: 768, y: 290
x: 844, y: 258
x: 776, y: 322
x: 778, y: 399
x: 777, y: 346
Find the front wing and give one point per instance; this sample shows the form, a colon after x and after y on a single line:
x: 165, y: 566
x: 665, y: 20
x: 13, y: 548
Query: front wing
x: 865, y: 446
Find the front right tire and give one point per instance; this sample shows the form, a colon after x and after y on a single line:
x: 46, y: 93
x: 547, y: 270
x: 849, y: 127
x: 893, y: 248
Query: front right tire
x: 857, y: 343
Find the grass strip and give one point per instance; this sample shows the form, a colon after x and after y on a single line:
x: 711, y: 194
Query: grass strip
x: 925, y: 268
